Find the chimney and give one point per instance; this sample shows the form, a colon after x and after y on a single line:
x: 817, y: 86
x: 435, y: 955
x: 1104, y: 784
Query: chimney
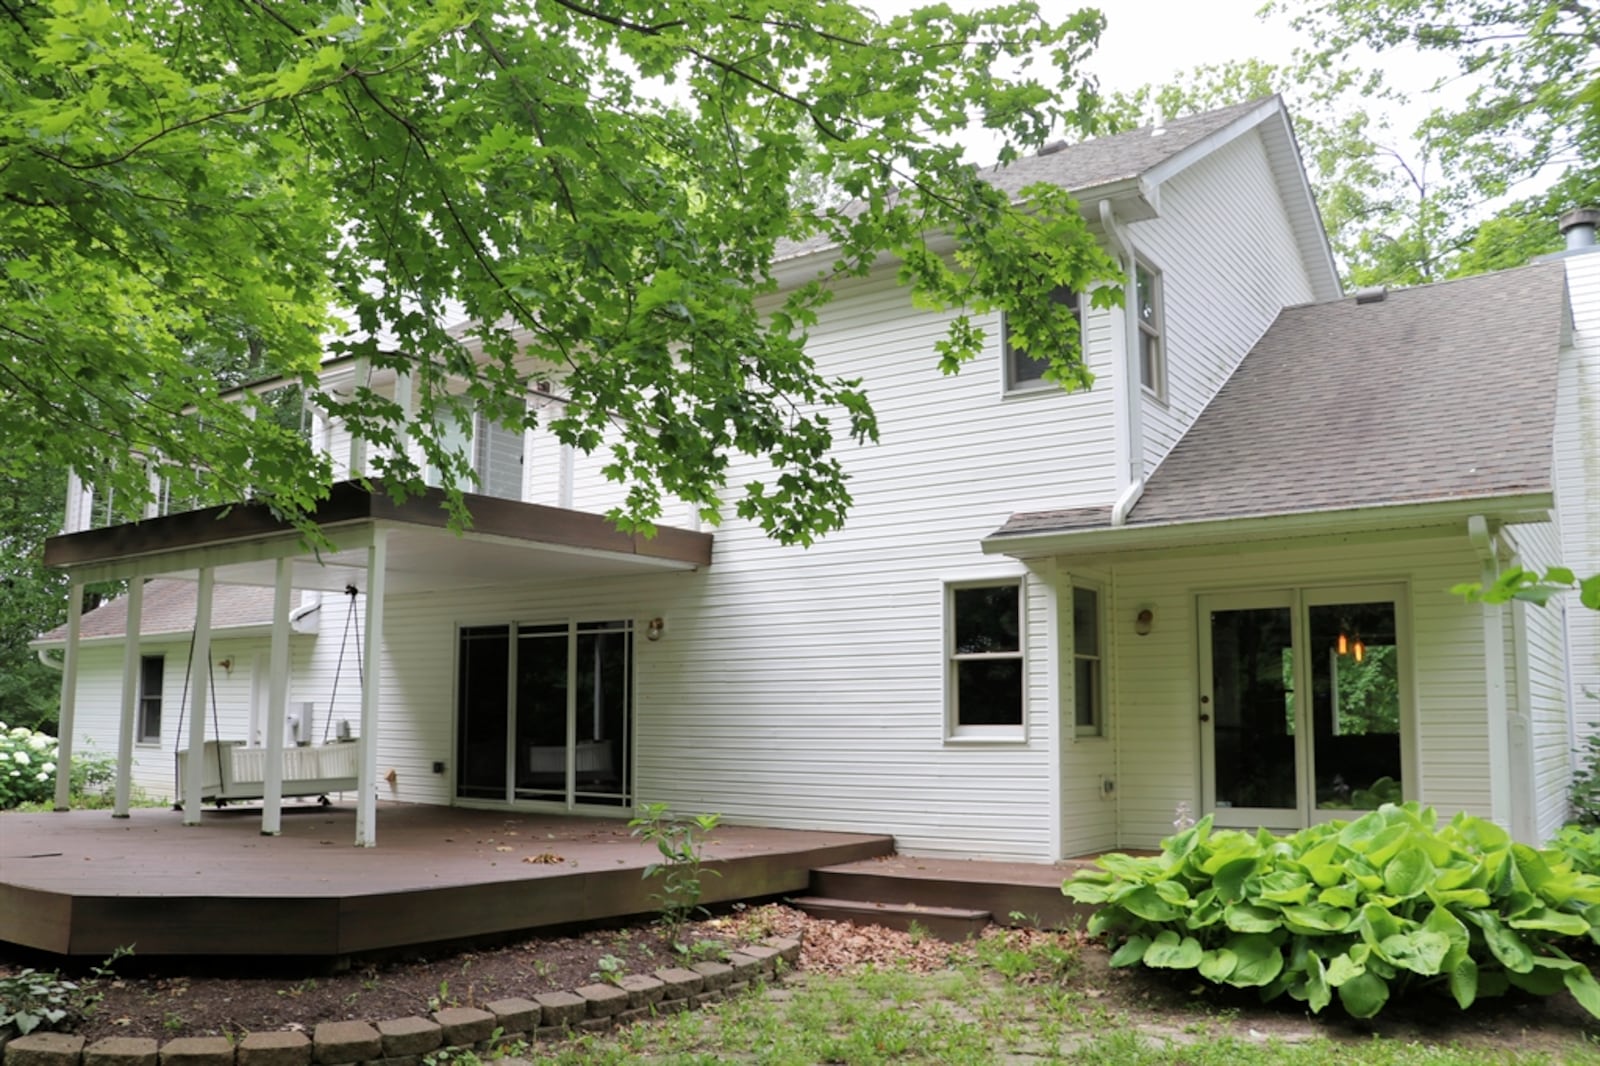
x: 1577, y: 226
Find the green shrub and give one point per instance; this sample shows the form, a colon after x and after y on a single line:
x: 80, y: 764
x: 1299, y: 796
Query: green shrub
x: 1580, y: 847
x: 1366, y: 909
x: 1584, y: 795
x: 27, y: 766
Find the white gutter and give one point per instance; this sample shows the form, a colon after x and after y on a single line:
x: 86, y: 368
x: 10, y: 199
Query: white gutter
x: 44, y: 657
x: 1129, y: 428
x: 1204, y: 532
x: 1497, y: 717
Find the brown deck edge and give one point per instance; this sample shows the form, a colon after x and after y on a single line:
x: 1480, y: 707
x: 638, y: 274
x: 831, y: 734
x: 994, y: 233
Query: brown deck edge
x: 349, y: 502
x: 90, y: 925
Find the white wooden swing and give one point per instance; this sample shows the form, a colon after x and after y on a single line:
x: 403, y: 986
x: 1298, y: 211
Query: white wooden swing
x: 232, y: 770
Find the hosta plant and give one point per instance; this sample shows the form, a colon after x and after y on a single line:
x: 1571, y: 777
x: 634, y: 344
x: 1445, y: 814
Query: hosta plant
x: 1363, y: 910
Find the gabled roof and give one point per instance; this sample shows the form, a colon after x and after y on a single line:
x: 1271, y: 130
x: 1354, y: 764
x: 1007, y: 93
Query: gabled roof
x: 1438, y: 393
x: 168, y: 609
x: 1120, y: 156
x: 1128, y: 168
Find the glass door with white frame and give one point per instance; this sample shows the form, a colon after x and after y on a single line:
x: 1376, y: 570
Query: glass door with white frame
x: 1301, y: 705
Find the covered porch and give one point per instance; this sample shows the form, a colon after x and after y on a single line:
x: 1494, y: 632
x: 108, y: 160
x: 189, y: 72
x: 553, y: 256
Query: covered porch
x: 376, y: 547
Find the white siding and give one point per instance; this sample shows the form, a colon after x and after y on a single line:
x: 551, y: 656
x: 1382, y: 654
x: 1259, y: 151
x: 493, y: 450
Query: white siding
x: 1539, y: 689
x: 1577, y: 450
x: 1229, y: 263
x: 1155, y: 718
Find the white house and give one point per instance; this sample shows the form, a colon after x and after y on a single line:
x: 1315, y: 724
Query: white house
x: 1052, y: 619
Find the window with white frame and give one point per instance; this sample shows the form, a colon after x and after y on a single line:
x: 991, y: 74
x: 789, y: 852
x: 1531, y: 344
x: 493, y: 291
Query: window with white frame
x: 984, y: 659
x: 1152, y: 342
x: 151, y: 670
x: 1025, y: 370
x: 1088, y: 671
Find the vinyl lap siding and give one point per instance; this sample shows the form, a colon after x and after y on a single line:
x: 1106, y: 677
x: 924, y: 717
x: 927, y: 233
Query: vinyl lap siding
x: 1541, y: 695
x: 1577, y: 450
x: 1229, y: 262
x: 1157, y: 678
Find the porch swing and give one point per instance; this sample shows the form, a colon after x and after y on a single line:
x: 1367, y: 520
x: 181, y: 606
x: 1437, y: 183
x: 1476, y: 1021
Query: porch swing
x: 232, y: 770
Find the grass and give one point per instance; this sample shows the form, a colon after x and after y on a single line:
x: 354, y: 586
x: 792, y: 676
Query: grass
x: 1011, y: 1005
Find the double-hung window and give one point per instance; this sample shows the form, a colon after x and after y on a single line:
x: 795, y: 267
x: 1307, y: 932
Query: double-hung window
x: 984, y: 662
x: 1152, y: 342
x: 1088, y: 673
x: 1025, y: 369
x: 151, y: 670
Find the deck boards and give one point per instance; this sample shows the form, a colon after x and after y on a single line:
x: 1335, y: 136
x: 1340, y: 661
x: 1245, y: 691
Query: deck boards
x: 83, y: 883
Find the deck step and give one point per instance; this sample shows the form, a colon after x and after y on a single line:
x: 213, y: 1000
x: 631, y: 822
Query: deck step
x: 946, y: 923
x: 1013, y: 893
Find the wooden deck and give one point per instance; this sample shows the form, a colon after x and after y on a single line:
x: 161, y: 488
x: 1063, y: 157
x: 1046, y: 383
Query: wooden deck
x: 82, y: 883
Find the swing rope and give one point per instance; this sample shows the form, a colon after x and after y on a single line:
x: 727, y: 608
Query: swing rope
x: 338, y: 666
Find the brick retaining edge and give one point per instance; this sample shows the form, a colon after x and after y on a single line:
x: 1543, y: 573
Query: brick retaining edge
x: 405, y: 1041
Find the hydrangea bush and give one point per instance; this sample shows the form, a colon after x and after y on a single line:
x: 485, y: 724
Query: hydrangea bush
x: 27, y: 766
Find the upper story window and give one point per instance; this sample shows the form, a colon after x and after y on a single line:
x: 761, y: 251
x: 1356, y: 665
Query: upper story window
x: 984, y: 663
x: 1152, y: 342
x: 1024, y: 370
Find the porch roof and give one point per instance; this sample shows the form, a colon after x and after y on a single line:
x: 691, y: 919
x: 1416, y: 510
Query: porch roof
x: 1438, y: 395
x: 506, y: 539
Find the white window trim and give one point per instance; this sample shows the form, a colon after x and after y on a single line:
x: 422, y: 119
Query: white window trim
x: 141, y: 738
x: 1009, y: 387
x: 1158, y: 390
x: 954, y: 732
x: 1099, y: 730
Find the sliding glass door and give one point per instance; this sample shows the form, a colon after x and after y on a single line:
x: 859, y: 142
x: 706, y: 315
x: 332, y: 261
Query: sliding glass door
x: 1301, y: 704
x: 546, y: 715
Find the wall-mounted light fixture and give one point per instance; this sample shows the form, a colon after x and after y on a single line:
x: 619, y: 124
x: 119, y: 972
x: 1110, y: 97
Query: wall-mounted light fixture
x: 1144, y: 621
x: 226, y: 664
x: 654, y: 628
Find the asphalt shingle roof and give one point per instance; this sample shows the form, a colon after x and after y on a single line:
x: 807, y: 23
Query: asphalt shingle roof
x: 168, y: 608
x: 1086, y: 165
x: 1441, y: 392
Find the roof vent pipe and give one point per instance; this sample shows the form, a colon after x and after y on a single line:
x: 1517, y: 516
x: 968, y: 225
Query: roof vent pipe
x: 1577, y: 226
x: 1372, y: 295
x: 1159, y: 123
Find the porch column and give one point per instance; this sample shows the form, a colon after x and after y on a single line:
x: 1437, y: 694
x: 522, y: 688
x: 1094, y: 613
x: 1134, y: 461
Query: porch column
x: 367, y: 779
x: 69, y: 699
x: 193, y: 782
x: 277, y: 702
x: 1498, y: 737
x: 130, y: 698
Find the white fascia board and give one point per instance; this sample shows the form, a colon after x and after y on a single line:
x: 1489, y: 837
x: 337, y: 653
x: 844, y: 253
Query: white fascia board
x: 1531, y: 507
x: 264, y: 629
x: 346, y: 535
x: 1212, y: 142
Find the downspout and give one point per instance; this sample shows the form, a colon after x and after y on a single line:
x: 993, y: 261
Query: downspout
x: 1129, y: 429
x: 50, y: 664
x: 1494, y: 676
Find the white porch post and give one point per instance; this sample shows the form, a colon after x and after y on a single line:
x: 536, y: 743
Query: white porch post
x: 277, y: 702
x: 130, y: 698
x: 69, y: 698
x: 367, y: 779
x: 1497, y: 718
x: 193, y: 783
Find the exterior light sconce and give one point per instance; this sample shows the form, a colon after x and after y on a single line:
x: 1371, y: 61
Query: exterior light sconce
x: 1144, y: 621
x: 226, y: 664
x: 654, y: 628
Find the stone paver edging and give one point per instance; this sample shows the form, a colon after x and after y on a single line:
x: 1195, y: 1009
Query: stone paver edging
x: 405, y: 1041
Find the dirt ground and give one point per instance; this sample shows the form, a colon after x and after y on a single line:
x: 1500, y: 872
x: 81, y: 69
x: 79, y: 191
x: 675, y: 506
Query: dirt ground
x: 141, y: 1001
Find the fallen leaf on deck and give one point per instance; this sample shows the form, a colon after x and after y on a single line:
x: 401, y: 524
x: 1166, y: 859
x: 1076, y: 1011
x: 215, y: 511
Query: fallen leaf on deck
x: 544, y: 858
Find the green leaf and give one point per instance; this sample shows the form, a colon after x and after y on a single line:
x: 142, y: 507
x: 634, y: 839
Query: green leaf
x: 1419, y: 951
x: 1249, y: 918
x: 1464, y: 983
x: 1581, y: 983
x: 1145, y: 902
x: 1131, y: 952
x: 1552, y: 921
x: 1364, y: 995
x: 1167, y: 951
x: 1408, y: 873
x: 1318, y: 992
x: 1230, y: 876
x: 1217, y: 964
x: 1505, y: 945
x: 1257, y: 960
x: 1343, y: 968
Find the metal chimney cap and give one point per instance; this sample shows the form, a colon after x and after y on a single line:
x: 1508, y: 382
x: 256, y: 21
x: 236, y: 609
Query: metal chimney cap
x: 1578, y: 216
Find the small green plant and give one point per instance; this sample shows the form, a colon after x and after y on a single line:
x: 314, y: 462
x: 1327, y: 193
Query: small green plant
x: 680, y: 842
x: 1579, y: 846
x: 703, y: 950
x: 173, y: 1022
x: 1584, y: 795
x: 42, y: 999
x: 610, y: 969
x: 441, y: 999
x: 1364, y: 909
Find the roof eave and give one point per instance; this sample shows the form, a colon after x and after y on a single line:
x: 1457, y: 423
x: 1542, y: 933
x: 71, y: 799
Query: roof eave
x: 1506, y: 509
